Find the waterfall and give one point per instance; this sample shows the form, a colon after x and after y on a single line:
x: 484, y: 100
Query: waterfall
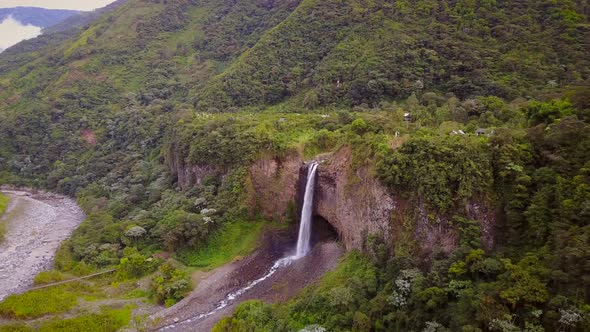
x: 302, y: 250
x: 306, y: 212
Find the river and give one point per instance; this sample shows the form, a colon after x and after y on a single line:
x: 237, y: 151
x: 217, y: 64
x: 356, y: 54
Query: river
x: 37, y: 223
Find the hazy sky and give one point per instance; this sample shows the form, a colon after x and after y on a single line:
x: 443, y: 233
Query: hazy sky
x: 12, y: 31
x: 56, y: 4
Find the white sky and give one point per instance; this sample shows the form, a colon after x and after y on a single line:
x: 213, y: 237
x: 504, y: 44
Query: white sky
x: 12, y: 32
x: 56, y: 4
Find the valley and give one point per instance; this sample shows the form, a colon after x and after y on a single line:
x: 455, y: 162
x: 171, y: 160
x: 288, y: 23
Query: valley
x: 299, y: 166
x: 38, y: 222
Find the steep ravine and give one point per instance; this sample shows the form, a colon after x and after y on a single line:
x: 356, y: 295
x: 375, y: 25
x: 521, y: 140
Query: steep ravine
x: 277, y: 271
x: 215, y: 285
x: 351, y: 199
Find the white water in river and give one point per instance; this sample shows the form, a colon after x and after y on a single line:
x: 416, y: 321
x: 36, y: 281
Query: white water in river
x: 306, y: 211
x: 234, y: 295
x: 303, y: 247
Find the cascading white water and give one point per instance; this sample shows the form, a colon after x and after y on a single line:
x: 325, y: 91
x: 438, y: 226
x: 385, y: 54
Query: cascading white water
x: 302, y: 250
x: 306, y: 211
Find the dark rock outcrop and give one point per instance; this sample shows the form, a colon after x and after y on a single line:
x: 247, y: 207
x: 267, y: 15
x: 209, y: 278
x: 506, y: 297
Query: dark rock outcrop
x: 188, y: 175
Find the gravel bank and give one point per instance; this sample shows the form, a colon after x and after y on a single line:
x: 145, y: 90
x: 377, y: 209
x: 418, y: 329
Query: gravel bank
x: 36, y: 225
x: 280, y: 287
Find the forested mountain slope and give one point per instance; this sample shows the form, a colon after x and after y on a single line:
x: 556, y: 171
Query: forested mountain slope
x: 362, y: 52
x: 454, y: 108
x: 214, y: 55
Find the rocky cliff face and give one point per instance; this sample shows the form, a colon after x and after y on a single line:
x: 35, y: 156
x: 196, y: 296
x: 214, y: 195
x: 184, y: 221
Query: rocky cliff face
x: 190, y: 175
x: 356, y: 204
x: 275, y: 184
x: 353, y: 201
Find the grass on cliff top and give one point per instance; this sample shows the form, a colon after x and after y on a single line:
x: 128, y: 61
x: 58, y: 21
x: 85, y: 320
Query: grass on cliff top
x: 230, y: 242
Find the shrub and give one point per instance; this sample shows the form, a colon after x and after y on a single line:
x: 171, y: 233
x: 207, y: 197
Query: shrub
x: 3, y: 203
x: 134, y: 265
x: 47, y: 277
x: 441, y: 172
x: 311, y: 100
x: 180, y: 229
x: 359, y: 126
x: 169, y: 285
x: 548, y: 112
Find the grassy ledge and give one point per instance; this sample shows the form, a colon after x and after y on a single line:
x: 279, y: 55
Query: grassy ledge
x: 232, y: 241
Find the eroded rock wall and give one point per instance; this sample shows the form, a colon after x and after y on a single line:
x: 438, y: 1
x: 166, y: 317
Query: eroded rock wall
x: 358, y: 205
x: 275, y: 183
x: 189, y: 175
x: 353, y: 201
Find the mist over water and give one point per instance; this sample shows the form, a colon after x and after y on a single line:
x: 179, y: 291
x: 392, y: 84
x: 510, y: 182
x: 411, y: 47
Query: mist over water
x: 12, y: 32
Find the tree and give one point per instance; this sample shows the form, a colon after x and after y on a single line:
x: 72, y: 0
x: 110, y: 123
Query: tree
x: 311, y: 100
x: 522, y: 283
x: 359, y: 126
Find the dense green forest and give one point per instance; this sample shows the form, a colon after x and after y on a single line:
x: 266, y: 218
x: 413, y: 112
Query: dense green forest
x: 101, y: 115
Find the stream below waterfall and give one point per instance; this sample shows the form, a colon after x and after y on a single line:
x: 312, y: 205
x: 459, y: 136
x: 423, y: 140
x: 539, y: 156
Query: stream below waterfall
x: 293, y: 269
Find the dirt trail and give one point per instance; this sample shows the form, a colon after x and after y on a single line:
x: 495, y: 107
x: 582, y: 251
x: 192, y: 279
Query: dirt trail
x: 36, y: 225
x: 285, y: 283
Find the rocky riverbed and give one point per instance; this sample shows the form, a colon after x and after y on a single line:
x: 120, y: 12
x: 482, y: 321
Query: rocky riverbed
x: 36, y: 224
x: 214, y: 286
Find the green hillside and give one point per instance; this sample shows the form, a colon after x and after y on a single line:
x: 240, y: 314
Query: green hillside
x: 387, y: 50
x: 216, y: 55
x: 106, y: 114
